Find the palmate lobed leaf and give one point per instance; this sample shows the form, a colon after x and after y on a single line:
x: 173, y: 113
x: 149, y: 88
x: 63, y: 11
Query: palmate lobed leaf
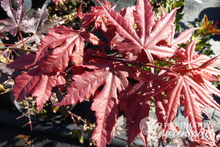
x: 192, y: 88
x: 40, y: 17
x: 194, y: 97
x: 137, y: 99
x: 106, y: 117
x: 59, y: 57
x: 34, y: 83
x: 84, y: 85
x: 106, y: 100
x: 17, y: 18
x: 149, y: 31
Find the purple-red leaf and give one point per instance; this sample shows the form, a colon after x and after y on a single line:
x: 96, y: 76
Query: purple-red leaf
x: 64, y: 46
x: 112, y: 80
x: 34, y: 83
x: 18, y: 19
x: 149, y: 31
x: 83, y: 86
x: 23, y: 62
x: 105, y: 106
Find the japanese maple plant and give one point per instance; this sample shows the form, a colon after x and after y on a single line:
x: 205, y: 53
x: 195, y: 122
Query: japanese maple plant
x: 139, y: 63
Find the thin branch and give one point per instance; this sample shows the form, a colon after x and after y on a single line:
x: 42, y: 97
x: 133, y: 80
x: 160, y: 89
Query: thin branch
x: 22, y: 39
x: 16, y: 48
x: 132, y: 62
x: 76, y: 116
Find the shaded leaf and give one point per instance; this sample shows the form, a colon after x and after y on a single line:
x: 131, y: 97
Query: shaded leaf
x: 17, y: 18
x: 33, y: 83
x: 83, y: 86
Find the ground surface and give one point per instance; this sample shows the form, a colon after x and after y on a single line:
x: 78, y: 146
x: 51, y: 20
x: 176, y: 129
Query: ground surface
x: 194, y: 10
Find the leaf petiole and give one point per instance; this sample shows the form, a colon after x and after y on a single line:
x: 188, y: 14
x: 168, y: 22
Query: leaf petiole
x: 132, y: 62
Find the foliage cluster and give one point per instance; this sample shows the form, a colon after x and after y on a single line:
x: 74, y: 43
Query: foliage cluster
x: 101, y: 60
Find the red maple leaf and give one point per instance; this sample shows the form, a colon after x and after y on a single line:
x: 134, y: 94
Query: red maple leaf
x: 137, y: 98
x: 34, y: 83
x: 192, y: 87
x: 113, y: 79
x: 148, y: 32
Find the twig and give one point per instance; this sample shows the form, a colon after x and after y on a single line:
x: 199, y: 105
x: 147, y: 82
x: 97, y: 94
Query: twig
x: 131, y: 62
x: 22, y: 39
x: 76, y: 116
x: 16, y: 48
x: 28, y: 114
